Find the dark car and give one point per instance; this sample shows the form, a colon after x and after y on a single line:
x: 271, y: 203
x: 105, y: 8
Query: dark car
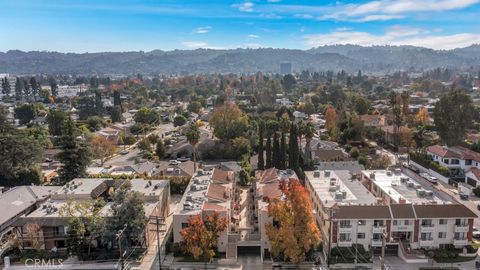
x: 464, y: 196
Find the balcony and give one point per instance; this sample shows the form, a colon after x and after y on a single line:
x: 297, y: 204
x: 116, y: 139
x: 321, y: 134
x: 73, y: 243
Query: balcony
x: 402, y: 228
x: 427, y: 228
x: 376, y: 242
x: 345, y: 229
x: 460, y: 242
x: 378, y: 229
x: 345, y: 243
x: 461, y: 228
x: 426, y: 242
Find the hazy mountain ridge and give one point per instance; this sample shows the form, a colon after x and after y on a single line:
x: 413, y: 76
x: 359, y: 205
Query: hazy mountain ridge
x: 338, y: 57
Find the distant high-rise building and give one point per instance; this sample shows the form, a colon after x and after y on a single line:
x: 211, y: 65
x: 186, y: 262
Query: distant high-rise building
x: 285, y: 68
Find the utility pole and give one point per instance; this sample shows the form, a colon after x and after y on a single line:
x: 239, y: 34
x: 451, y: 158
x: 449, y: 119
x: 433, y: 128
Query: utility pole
x: 158, y: 245
x: 119, y: 238
x: 382, y: 258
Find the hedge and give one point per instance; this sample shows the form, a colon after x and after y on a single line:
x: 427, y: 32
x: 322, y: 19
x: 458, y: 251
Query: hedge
x: 425, y: 161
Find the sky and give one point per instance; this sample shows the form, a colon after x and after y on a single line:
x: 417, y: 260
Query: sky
x: 145, y: 25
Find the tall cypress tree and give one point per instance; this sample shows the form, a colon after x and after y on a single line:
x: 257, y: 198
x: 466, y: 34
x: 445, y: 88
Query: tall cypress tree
x: 283, y: 152
x: 261, y: 163
x: 293, y: 161
x: 268, y: 152
x: 18, y: 89
x: 75, y: 155
x: 276, y: 151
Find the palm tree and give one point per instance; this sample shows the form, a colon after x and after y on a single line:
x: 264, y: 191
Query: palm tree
x: 309, y: 131
x: 300, y: 132
x: 193, y: 136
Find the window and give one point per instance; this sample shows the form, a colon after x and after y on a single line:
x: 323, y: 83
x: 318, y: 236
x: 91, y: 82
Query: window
x: 360, y: 235
x: 396, y: 222
x: 184, y: 225
x: 345, y: 224
x: 455, y: 161
x: 378, y: 223
x: 427, y: 222
x: 445, y: 161
x: 426, y: 236
x: 377, y: 236
x: 442, y: 235
x: 407, y: 222
x: 460, y: 236
x: 461, y: 222
x: 468, y: 162
x: 362, y: 222
x: 442, y: 221
x: 60, y: 230
x: 344, y: 237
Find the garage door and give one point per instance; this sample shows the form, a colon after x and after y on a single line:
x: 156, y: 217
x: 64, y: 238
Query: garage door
x: 248, y: 250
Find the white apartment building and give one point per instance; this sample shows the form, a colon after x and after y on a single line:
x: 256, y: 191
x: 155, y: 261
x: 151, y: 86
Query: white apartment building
x: 371, y: 206
x: 207, y: 192
x: 71, y: 90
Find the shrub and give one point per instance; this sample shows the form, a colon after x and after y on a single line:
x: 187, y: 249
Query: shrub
x: 425, y: 161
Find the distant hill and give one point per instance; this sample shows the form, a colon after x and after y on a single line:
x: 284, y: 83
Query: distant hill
x: 385, y: 59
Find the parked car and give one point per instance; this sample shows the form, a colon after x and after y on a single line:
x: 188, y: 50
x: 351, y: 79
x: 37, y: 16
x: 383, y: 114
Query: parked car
x: 174, y: 162
x: 124, y: 152
x: 464, y: 196
x: 475, y: 233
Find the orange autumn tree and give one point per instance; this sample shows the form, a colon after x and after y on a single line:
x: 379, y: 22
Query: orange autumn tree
x: 422, y: 116
x: 293, y: 231
x: 200, y: 237
x: 330, y: 117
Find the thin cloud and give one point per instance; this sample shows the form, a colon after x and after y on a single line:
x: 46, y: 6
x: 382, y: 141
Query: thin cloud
x: 392, y: 9
x: 252, y: 36
x: 397, y: 35
x: 202, y: 30
x: 244, y: 7
x: 195, y: 44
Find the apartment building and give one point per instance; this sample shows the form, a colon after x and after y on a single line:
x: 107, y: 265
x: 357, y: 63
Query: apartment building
x: 267, y: 189
x: 52, y: 233
x: 376, y: 206
x: 19, y: 201
x: 207, y: 192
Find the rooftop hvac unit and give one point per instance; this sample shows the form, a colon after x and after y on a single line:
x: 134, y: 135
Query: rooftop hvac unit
x: 410, y: 184
x: 189, y: 197
x: 389, y: 173
x: 332, y: 188
x: 338, y: 195
x: 327, y: 173
x: 403, y: 179
x: 420, y: 192
x: 397, y: 171
x: 418, y: 186
x: 316, y: 174
x: 289, y: 171
x: 344, y: 194
x: 429, y: 193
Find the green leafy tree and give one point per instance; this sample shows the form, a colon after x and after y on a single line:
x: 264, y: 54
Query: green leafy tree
x: 179, y: 121
x: 195, y: 107
x: 228, y: 122
x: 53, y: 86
x: 283, y: 152
x: 452, y: 115
x: 6, y: 89
x: 56, y: 119
x: 361, y: 105
x: 147, y: 116
x: 75, y: 155
x: 127, y: 212
x: 95, y: 123
x: 26, y: 113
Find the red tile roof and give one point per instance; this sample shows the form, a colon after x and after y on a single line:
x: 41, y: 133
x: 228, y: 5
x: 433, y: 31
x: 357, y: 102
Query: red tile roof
x: 266, y: 176
x: 454, y: 152
x: 270, y: 191
x: 221, y: 176
x: 213, y: 206
x: 218, y: 192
